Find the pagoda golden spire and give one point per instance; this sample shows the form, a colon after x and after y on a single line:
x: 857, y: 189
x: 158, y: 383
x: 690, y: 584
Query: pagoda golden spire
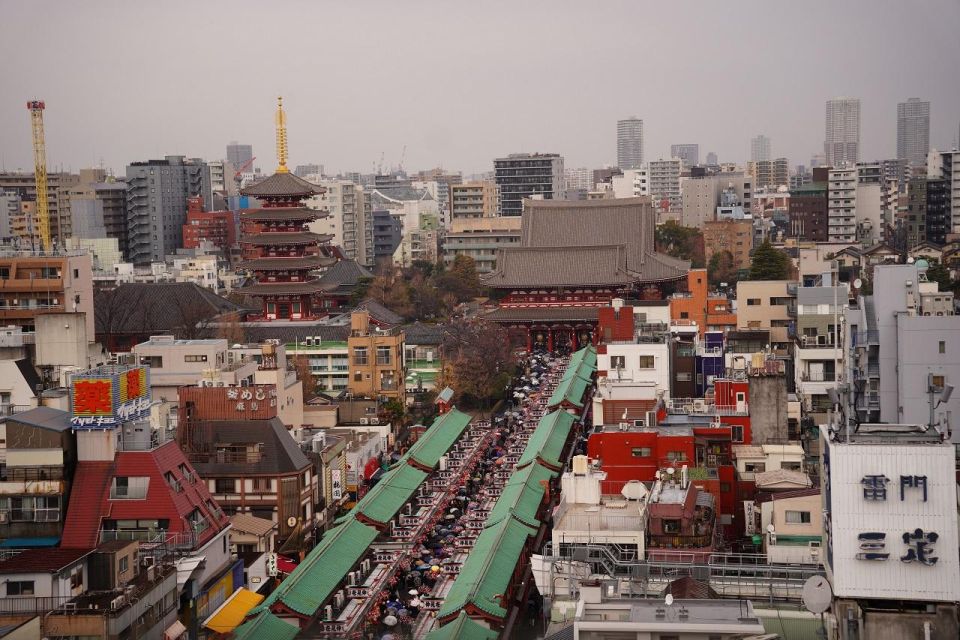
x: 281, y: 121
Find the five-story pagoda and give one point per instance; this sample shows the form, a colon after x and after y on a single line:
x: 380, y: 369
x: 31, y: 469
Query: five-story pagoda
x: 278, y: 249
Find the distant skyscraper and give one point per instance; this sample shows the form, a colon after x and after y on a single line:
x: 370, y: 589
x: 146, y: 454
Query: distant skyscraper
x: 689, y: 153
x: 913, y: 131
x: 630, y: 143
x: 712, y: 158
x: 842, y: 142
x: 239, y: 155
x: 760, y: 148
x: 527, y: 175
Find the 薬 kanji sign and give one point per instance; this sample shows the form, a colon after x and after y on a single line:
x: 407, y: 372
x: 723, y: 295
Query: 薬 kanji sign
x: 109, y: 395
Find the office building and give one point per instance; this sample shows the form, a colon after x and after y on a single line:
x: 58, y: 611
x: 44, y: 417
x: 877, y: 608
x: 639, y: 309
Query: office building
x: 630, y: 143
x: 842, y: 142
x: 473, y: 200
x: 528, y: 175
x: 913, y: 131
x: 305, y: 170
x: 578, y: 179
x: 809, y: 208
x: 218, y: 228
x: 480, y: 238
x: 771, y: 173
x: 759, y: 148
x: 240, y: 155
x: 157, y: 193
x: 689, y: 153
x: 735, y: 236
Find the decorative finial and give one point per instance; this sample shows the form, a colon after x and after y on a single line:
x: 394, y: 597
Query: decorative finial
x: 281, y: 137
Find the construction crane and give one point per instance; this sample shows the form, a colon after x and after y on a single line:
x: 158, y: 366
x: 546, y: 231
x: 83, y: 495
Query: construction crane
x: 238, y: 176
x: 36, y: 108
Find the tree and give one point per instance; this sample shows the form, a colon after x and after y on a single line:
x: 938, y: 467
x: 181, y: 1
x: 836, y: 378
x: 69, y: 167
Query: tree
x: 391, y: 290
x: 722, y: 268
x: 769, y: 263
x: 477, y: 358
x: 231, y: 331
x: 939, y: 273
x: 685, y: 243
x: 301, y: 365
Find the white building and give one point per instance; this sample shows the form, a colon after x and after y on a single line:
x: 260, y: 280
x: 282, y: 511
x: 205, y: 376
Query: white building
x: 633, y: 183
x: 630, y: 143
x: 890, y: 503
x: 350, y: 219
x: 759, y: 148
x: 842, y: 140
x: 664, y: 176
x: 842, y: 205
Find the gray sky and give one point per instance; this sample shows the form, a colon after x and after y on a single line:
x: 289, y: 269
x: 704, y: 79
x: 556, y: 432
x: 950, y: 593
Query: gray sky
x: 460, y: 83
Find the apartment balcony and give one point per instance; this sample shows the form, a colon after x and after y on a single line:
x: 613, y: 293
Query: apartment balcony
x: 15, y: 285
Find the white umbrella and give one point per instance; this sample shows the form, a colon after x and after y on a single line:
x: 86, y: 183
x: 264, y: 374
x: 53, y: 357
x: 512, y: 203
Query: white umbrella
x: 390, y: 621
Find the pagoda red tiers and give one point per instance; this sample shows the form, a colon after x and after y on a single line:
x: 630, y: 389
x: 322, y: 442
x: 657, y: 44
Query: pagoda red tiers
x: 280, y: 252
x: 574, y: 258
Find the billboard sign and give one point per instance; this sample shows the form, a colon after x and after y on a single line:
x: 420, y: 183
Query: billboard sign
x: 110, y: 395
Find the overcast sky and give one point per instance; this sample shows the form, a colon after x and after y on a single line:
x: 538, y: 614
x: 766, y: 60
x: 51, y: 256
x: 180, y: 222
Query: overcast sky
x: 460, y: 83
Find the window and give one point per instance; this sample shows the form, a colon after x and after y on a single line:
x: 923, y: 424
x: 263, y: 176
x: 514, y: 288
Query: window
x: 646, y: 362
x: 124, y: 564
x: 618, y: 362
x: 937, y: 382
x: 360, y: 356
x: 671, y: 526
x: 358, y: 376
x: 261, y: 485
x: 76, y: 578
x: 942, y: 346
x: 154, y: 362
x: 798, y: 517
x: 195, y: 358
x: 737, y: 433
x: 684, y: 376
x: 676, y: 455
x: 641, y: 452
x: 753, y: 302
x: 224, y: 485
x: 383, y: 355
x: 724, y: 487
x: 684, y: 315
x: 20, y: 588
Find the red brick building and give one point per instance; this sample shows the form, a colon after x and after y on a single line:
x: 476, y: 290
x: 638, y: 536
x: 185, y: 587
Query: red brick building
x: 217, y: 227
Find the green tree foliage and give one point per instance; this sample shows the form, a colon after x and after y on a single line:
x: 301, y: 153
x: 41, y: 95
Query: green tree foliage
x: 681, y: 242
x: 722, y: 268
x: 769, y: 263
x: 941, y: 275
x: 425, y: 291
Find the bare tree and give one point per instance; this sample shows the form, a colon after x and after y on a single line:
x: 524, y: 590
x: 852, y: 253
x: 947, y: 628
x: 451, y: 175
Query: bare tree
x: 477, y: 358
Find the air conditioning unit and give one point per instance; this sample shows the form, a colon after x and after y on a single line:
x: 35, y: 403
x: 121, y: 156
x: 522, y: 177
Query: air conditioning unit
x: 210, y: 383
x: 365, y: 566
x: 221, y: 384
x: 443, y: 463
x: 374, y: 420
x: 339, y: 599
x: 118, y: 602
x: 328, y: 613
x: 4, y: 517
x: 639, y: 423
x: 364, y: 421
x: 308, y: 341
x: 699, y: 406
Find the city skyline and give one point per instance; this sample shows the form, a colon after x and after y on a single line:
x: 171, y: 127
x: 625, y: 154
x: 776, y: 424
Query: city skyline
x: 173, y: 113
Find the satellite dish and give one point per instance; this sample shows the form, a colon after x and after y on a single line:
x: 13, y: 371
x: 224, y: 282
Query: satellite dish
x: 669, y: 599
x: 770, y: 528
x: 816, y: 594
x: 857, y: 283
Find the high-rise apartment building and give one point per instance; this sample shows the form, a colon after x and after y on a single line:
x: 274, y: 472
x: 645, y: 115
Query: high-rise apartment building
x: 771, y: 173
x: 578, y: 179
x: 759, y: 148
x: 664, y: 180
x: 712, y: 159
x: 58, y: 199
x: 527, y: 175
x: 99, y: 210
x: 842, y: 205
x: 239, y: 155
x: 630, y: 143
x: 928, y: 211
x: 473, y: 200
x: 349, y: 219
x: 157, y: 192
x: 689, y: 153
x: 842, y: 142
x: 913, y: 131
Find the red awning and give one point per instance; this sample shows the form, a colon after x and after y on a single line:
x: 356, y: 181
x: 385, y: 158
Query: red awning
x: 285, y: 565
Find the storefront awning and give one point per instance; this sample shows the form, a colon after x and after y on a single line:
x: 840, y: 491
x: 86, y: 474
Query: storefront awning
x: 176, y: 631
x: 30, y: 543
x: 231, y: 613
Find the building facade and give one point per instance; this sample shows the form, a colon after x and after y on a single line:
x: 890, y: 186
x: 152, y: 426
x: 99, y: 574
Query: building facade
x: 913, y: 131
x: 473, y: 200
x: 842, y: 141
x: 760, y: 148
x: 630, y: 143
x: 688, y: 153
x: 527, y: 175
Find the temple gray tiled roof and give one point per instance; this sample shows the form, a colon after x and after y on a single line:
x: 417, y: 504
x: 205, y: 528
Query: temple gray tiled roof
x: 561, y: 267
x: 282, y: 184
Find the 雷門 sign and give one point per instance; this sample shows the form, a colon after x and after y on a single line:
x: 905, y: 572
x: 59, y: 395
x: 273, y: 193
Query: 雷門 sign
x: 108, y: 396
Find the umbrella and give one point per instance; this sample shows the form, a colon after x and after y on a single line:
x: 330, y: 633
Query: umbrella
x: 388, y: 636
x: 413, y: 592
x: 415, y: 602
x: 390, y: 621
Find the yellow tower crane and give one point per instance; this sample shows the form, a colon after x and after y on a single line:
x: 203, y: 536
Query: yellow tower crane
x: 36, y: 108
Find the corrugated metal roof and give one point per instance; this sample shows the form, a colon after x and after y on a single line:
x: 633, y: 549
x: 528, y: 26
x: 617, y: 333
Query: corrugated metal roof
x: 439, y: 437
x: 315, y: 579
x: 463, y: 628
x: 548, y: 439
x: 486, y: 574
x: 521, y: 496
x: 394, y: 489
x: 266, y: 626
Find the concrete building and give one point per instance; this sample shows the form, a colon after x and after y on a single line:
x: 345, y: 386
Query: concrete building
x: 481, y: 239
x: 913, y: 131
x: 949, y: 163
x: 35, y: 285
x: 157, y: 192
x: 759, y: 148
x: 473, y: 200
x: 349, y: 219
x: 630, y: 143
x: 632, y: 184
x: 664, y: 177
x: 928, y: 211
x: 841, y: 211
x: 905, y: 342
x: 526, y: 175
x: 702, y: 194
x: 842, y: 141
x: 688, y: 153
x: 58, y: 197
x: 894, y: 570
x: 98, y: 209
x: 735, y: 236
x: 770, y: 173
x: 239, y: 155
x: 809, y: 211
x: 769, y: 305
x: 387, y: 233
x: 818, y: 354
x: 376, y: 360
x: 577, y: 180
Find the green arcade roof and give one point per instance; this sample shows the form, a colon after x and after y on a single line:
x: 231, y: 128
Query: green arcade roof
x: 265, y: 625
x: 522, y: 496
x: 548, y: 439
x: 394, y: 489
x: 463, y: 628
x: 437, y: 440
x: 571, y: 390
